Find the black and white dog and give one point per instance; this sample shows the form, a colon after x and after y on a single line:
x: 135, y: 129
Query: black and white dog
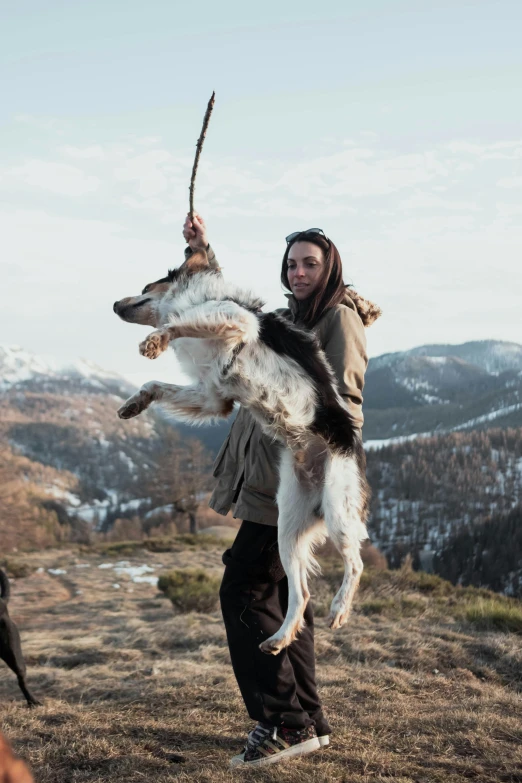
x: 279, y: 373
x: 10, y: 646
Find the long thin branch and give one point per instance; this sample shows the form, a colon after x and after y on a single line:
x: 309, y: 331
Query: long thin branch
x: 199, y: 147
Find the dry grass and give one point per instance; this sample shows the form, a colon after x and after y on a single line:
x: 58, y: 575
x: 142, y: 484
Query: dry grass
x: 415, y: 692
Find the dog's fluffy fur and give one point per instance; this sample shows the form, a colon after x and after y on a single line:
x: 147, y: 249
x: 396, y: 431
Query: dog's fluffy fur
x: 10, y: 646
x: 236, y: 353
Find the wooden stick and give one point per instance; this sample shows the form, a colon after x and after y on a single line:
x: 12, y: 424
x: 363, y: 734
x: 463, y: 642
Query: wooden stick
x: 199, y: 147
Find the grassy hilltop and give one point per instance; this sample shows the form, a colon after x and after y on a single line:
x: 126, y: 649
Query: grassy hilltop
x: 424, y: 684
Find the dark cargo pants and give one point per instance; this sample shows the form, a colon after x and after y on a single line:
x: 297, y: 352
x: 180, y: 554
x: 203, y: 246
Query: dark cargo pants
x: 279, y: 690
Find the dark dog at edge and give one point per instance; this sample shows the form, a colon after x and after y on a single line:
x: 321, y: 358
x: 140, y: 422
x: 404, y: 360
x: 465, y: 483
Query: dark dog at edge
x: 10, y: 646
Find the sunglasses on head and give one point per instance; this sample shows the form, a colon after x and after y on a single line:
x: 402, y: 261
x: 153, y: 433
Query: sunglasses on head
x: 291, y: 237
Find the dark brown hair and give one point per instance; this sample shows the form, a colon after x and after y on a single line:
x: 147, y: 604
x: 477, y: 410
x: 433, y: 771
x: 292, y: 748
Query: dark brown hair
x: 331, y: 289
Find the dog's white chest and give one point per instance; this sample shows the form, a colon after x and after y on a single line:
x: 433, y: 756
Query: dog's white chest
x: 196, y: 356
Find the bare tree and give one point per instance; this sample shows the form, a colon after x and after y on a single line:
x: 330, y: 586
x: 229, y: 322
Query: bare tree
x: 181, y: 477
x: 193, y: 482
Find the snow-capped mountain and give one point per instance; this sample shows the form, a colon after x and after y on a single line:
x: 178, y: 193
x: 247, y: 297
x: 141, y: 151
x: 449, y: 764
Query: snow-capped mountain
x: 493, y: 356
x: 63, y: 417
x: 443, y: 388
x: 25, y: 370
x: 66, y: 451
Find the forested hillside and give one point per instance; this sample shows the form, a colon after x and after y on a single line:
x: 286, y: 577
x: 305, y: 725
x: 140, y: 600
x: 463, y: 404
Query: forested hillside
x: 487, y: 554
x: 69, y: 466
x: 429, y: 490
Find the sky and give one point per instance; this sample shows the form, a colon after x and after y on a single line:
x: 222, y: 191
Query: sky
x: 394, y: 126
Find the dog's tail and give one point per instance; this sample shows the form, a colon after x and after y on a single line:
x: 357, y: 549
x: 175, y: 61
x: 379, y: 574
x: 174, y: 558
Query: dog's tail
x: 5, y: 588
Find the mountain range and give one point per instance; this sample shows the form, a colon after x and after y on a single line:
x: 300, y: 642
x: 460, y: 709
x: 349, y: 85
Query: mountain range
x: 64, y: 454
x: 426, y: 390
x: 443, y: 388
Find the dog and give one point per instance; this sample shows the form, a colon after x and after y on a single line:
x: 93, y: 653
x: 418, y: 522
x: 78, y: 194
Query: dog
x: 10, y: 645
x: 236, y: 353
x: 12, y: 770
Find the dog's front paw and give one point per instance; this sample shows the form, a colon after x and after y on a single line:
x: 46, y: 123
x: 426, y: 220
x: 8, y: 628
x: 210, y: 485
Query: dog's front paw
x: 34, y: 703
x: 135, y: 405
x: 154, y: 344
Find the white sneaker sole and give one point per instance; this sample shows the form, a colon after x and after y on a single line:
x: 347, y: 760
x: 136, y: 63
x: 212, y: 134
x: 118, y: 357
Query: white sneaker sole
x: 236, y: 761
x: 324, y: 740
x: 295, y: 750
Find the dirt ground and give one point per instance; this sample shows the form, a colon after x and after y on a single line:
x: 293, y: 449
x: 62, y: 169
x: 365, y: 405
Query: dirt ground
x: 134, y: 692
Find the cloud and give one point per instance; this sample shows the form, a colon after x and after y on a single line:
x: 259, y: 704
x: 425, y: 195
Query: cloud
x: 430, y: 226
x: 424, y: 200
x: 143, y: 176
x: 55, y: 177
x: 499, y: 150
x: 419, y: 231
x: 149, y: 172
x: 506, y: 210
x: 95, y: 151
x: 234, y: 179
x: 42, y: 123
x: 510, y: 182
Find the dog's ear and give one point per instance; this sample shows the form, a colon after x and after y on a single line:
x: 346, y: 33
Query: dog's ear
x: 197, y: 262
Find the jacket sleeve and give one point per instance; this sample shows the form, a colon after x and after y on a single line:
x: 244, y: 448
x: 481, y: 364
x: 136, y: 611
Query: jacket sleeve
x: 345, y: 349
x: 212, y: 260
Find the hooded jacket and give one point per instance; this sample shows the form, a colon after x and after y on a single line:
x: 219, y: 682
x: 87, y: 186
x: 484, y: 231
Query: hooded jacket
x: 246, y: 465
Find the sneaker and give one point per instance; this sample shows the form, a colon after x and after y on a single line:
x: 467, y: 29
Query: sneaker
x: 268, y: 745
x: 256, y: 736
x: 323, y: 730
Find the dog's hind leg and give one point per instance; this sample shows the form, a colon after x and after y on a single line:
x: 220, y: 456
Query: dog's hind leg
x: 11, y: 653
x: 296, y: 553
x: 342, y: 506
x: 299, y: 531
x: 150, y: 392
x: 353, y: 568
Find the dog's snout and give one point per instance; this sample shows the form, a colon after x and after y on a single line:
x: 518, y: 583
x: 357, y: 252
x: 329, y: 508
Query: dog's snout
x: 133, y: 310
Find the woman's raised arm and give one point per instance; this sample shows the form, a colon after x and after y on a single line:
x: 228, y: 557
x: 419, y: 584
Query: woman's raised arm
x: 195, y: 234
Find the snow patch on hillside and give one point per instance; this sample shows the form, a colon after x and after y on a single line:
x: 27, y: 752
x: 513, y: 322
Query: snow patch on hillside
x: 491, y: 416
x: 142, y: 574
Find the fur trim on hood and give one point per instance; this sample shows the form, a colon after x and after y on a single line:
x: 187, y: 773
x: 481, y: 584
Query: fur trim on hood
x: 368, y: 311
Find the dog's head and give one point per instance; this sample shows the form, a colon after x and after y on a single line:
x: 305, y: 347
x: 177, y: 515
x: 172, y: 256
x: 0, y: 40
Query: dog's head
x: 151, y: 307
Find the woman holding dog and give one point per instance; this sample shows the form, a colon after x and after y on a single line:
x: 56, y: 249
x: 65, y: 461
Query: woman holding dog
x: 280, y: 691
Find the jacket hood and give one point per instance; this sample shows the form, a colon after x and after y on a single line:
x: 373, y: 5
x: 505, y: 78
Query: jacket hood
x: 368, y: 311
